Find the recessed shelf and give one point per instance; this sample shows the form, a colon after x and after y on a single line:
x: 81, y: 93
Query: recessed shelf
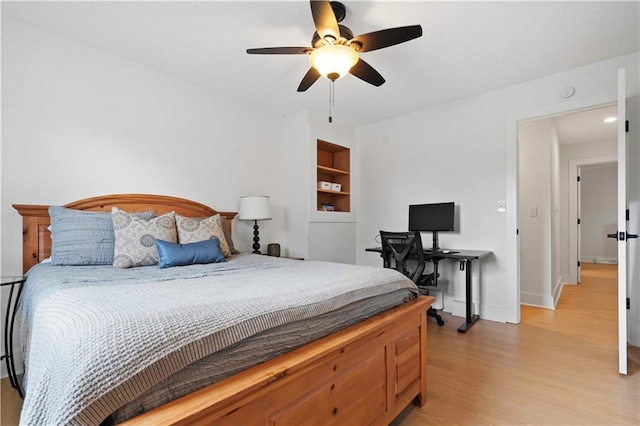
x: 327, y: 191
x: 333, y: 165
x: 332, y: 171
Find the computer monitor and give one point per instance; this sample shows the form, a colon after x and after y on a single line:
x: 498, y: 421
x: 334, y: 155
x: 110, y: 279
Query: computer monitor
x: 434, y: 217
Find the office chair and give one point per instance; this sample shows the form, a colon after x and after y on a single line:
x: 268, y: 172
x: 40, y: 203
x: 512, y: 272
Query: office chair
x: 402, y: 248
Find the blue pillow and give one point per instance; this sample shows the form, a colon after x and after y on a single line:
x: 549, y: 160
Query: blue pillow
x: 83, y: 237
x: 172, y: 254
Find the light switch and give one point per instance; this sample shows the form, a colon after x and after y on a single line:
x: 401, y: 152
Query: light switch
x: 502, y: 206
x: 533, y: 211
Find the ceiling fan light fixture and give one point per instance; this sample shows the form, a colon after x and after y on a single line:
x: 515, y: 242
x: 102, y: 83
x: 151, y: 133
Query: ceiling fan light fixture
x: 333, y: 61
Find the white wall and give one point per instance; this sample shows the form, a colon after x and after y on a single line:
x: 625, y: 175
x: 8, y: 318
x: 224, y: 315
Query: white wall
x: 539, y: 272
x: 599, y: 212
x: 297, y: 149
x: 77, y: 123
x: 458, y: 151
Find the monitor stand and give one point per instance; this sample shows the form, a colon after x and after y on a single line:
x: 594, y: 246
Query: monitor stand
x: 435, y: 241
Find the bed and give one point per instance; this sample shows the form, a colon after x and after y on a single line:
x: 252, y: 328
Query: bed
x: 356, y: 355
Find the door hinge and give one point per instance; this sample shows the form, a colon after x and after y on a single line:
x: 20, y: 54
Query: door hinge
x: 626, y: 126
x: 578, y: 221
x: 628, y: 303
x: 578, y: 178
x: 627, y: 214
x: 578, y: 263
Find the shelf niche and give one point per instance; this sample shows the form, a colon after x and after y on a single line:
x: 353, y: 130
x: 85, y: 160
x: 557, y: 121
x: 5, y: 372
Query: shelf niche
x: 333, y: 165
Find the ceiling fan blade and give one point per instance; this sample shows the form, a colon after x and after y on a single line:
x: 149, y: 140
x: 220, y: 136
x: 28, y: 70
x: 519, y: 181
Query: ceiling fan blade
x: 279, y: 50
x: 367, y: 73
x: 324, y: 19
x: 309, y: 78
x: 386, y: 38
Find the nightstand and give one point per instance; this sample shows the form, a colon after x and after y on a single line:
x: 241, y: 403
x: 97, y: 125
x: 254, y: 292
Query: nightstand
x: 9, y: 319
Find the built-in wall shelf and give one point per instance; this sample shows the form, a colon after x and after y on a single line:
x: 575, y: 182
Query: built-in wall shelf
x: 330, y: 170
x: 327, y: 191
x: 334, y: 166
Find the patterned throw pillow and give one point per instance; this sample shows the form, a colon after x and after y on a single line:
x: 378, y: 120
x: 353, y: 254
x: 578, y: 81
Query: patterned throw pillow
x: 192, y: 230
x: 135, y: 243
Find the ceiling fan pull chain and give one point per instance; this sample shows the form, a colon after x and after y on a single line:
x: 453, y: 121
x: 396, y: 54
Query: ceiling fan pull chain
x: 331, y: 97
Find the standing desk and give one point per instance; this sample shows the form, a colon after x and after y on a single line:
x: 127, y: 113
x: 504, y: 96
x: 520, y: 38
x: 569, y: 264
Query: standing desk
x: 465, y: 257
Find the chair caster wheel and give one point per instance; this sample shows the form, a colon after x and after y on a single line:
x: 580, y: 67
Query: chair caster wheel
x: 440, y: 322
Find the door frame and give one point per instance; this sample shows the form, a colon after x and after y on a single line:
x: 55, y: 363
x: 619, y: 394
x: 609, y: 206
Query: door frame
x: 574, y: 165
x: 512, y: 237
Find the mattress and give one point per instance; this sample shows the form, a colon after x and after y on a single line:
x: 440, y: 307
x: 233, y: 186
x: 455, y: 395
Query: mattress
x: 102, y: 344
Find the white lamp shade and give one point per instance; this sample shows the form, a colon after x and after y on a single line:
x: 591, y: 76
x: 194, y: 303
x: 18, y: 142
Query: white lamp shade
x: 255, y: 208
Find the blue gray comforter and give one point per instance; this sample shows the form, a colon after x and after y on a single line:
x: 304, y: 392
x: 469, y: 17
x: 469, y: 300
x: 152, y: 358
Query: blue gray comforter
x: 96, y: 337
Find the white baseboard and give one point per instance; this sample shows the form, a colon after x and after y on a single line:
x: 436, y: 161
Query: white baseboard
x: 598, y: 259
x: 458, y: 308
x: 557, y: 289
x: 538, y: 300
x: 493, y: 313
x: 609, y: 260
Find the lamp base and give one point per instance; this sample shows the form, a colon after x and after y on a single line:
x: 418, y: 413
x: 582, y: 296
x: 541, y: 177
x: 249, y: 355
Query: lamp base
x: 256, y: 238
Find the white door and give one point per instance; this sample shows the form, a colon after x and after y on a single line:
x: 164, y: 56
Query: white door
x: 622, y: 224
x: 633, y: 224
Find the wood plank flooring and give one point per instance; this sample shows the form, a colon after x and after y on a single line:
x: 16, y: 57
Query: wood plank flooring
x: 558, y: 367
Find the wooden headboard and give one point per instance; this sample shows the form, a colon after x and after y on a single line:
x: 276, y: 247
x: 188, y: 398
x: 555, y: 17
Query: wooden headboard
x: 36, y: 238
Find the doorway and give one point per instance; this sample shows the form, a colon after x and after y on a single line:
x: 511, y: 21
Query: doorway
x: 551, y: 152
x: 597, y: 214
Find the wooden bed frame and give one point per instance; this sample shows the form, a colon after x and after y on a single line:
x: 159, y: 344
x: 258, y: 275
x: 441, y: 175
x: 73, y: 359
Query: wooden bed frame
x: 365, y: 374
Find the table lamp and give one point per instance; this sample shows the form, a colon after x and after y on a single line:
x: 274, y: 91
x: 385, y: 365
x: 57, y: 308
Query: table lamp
x: 255, y: 208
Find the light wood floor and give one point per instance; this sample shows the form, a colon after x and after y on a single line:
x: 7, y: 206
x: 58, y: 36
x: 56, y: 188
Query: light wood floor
x: 558, y: 367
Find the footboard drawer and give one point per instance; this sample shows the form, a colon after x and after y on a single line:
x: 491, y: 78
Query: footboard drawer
x: 358, y: 398
x: 407, y: 363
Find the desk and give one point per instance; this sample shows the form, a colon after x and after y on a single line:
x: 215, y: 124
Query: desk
x: 465, y: 257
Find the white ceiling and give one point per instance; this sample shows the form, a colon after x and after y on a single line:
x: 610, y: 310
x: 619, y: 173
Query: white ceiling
x: 587, y: 126
x: 466, y: 48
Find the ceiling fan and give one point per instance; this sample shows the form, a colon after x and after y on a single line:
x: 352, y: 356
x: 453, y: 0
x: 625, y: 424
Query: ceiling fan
x: 335, y: 52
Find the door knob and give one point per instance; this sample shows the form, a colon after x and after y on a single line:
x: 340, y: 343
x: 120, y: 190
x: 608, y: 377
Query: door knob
x: 621, y: 236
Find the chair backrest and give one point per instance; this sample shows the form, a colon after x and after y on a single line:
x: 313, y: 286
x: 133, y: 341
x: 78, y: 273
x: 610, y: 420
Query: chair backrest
x: 399, y: 249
